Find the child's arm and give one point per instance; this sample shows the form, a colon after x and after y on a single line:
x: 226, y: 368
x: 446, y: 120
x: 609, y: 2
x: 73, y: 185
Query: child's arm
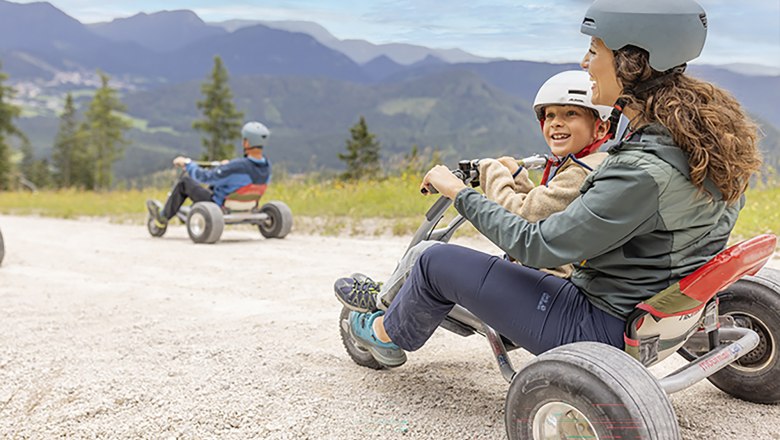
x: 539, y: 202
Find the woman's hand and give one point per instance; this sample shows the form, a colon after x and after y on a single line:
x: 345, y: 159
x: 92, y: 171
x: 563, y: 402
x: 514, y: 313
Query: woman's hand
x: 441, y: 178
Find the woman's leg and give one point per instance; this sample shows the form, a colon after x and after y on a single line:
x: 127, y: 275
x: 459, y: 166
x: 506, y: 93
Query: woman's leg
x: 535, y: 310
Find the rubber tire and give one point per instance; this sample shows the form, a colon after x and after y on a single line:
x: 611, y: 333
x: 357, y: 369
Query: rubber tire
x: 214, y: 222
x: 358, y: 355
x: 763, y: 302
x: 2, y: 248
x: 279, y: 221
x: 154, y: 231
x: 605, y: 384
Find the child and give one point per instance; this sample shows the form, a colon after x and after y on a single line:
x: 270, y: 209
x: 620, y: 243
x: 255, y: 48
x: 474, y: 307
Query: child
x: 573, y: 128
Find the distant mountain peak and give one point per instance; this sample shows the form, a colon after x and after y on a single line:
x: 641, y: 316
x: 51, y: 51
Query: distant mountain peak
x: 161, y: 31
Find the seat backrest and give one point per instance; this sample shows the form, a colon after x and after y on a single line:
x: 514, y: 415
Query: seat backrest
x: 245, y: 198
x: 660, y: 325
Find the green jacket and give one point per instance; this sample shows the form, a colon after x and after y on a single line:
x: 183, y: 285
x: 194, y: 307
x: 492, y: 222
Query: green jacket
x: 638, y: 226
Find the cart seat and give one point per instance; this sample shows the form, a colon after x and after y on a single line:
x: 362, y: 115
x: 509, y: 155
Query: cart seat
x: 660, y: 325
x: 245, y: 198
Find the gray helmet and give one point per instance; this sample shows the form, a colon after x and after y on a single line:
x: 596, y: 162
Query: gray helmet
x: 256, y: 133
x: 672, y: 31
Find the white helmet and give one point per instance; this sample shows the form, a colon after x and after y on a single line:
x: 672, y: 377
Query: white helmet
x: 568, y: 88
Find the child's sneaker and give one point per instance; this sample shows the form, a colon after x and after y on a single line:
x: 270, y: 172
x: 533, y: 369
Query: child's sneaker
x: 357, y: 292
x: 361, y: 330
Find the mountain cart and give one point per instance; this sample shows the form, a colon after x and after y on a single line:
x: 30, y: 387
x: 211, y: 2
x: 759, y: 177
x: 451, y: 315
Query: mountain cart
x: 206, y: 220
x: 724, y: 319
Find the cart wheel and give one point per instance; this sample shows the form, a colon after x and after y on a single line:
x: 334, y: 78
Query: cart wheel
x: 205, y: 222
x: 588, y: 390
x: 754, y: 303
x: 154, y: 230
x: 279, y: 220
x: 360, y: 356
x: 2, y: 248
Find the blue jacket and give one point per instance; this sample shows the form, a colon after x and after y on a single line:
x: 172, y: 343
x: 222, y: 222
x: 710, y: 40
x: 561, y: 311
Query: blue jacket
x: 227, y: 178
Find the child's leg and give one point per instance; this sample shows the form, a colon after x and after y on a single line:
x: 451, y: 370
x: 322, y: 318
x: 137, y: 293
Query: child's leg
x: 393, y: 284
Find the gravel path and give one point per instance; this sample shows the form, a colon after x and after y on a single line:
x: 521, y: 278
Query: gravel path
x: 107, y: 333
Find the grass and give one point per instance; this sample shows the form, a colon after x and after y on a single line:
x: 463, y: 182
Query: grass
x: 391, y: 206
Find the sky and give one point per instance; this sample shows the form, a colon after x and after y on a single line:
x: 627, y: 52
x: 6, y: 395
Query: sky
x: 740, y: 31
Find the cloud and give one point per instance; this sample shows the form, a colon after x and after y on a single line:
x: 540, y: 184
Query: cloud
x: 541, y: 30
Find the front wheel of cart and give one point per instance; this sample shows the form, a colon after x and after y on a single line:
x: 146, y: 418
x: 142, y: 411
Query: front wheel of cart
x: 358, y: 354
x: 588, y: 390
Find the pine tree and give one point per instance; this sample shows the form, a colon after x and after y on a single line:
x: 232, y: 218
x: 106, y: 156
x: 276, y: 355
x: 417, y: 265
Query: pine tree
x: 8, y: 112
x: 104, y: 130
x: 221, y: 122
x: 362, y: 157
x: 68, y: 147
x: 35, y: 173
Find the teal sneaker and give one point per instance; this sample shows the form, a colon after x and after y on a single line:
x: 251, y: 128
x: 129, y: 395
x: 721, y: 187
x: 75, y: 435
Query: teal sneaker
x: 361, y: 330
x: 357, y: 292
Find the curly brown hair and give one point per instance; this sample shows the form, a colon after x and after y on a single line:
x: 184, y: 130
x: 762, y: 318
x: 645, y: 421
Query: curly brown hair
x: 706, y: 122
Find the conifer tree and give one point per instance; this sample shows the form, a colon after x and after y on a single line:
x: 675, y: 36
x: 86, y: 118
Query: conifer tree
x: 362, y: 156
x: 35, y: 173
x: 221, y: 121
x: 8, y: 112
x: 68, y: 147
x: 104, y: 134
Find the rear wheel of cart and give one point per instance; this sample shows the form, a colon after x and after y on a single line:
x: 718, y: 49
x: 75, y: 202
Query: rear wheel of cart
x: 588, y: 390
x: 754, y: 303
x: 205, y: 222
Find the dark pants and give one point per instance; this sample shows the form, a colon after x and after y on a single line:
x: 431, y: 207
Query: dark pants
x: 535, y: 310
x: 185, y: 188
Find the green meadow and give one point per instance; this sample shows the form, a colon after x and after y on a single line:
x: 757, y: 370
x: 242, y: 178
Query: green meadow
x: 390, y: 206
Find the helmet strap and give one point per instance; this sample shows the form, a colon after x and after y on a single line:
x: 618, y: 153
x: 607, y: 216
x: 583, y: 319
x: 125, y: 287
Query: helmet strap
x: 657, y: 82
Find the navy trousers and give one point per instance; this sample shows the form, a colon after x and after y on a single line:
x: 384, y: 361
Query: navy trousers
x: 535, y: 310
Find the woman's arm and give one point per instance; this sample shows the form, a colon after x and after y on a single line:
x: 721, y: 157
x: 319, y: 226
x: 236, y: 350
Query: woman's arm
x: 621, y: 202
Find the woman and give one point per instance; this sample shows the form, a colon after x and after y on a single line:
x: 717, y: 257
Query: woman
x: 662, y: 204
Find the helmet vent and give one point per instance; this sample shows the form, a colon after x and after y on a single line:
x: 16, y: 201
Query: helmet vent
x: 578, y: 92
x: 703, y: 18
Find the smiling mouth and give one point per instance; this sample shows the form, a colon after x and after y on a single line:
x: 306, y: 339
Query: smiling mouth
x: 560, y: 136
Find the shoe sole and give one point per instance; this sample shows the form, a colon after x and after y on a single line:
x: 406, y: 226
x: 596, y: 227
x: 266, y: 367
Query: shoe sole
x: 389, y: 363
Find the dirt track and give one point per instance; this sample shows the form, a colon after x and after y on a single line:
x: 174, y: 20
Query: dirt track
x: 107, y: 333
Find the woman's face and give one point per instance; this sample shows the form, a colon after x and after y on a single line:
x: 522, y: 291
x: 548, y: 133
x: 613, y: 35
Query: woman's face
x: 600, y: 64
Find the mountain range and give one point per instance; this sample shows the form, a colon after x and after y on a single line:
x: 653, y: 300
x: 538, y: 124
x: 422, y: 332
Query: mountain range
x: 308, y: 86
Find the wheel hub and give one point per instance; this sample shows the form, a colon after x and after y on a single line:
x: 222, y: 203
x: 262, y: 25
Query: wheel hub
x: 559, y: 420
x: 197, y: 224
x: 764, y: 352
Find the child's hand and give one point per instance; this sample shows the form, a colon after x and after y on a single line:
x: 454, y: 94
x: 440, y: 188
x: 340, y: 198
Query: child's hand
x: 510, y: 163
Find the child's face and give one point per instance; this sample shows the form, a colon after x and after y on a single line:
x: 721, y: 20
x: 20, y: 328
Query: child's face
x: 569, y: 128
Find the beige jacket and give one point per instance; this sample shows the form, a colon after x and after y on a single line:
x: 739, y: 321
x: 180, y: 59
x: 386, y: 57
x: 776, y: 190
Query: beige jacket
x: 534, y: 203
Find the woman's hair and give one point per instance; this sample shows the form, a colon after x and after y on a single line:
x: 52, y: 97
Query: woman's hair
x: 707, y: 123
